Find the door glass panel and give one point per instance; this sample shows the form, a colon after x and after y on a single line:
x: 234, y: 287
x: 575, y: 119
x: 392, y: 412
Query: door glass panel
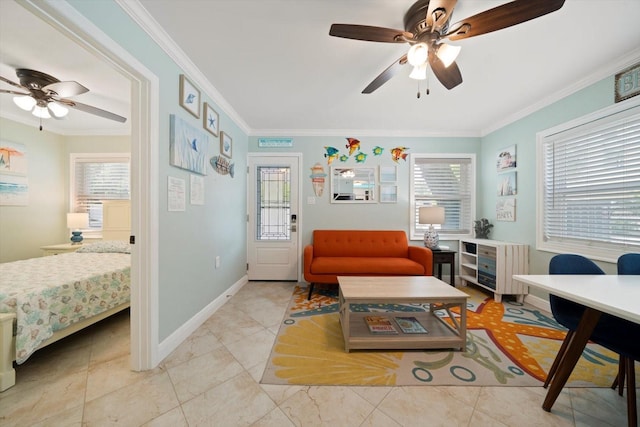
x: 273, y: 220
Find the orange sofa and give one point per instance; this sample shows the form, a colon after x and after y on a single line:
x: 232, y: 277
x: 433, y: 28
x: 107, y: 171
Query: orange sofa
x: 336, y: 253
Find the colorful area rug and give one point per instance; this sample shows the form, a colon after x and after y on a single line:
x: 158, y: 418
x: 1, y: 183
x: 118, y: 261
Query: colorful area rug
x: 508, y: 344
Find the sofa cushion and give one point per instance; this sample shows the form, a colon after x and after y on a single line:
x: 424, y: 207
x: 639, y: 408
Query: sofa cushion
x: 361, y: 243
x: 371, y: 265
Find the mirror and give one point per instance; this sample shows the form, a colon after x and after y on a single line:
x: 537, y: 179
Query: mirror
x: 353, y: 185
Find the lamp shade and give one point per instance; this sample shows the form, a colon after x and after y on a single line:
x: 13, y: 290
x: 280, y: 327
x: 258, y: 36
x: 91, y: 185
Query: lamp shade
x: 76, y: 221
x: 431, y: 215
x: 448, y: 53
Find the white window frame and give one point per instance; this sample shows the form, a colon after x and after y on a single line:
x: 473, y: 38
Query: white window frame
x: 418, y: 234
x: 95, y: 157
x: 604, y: 252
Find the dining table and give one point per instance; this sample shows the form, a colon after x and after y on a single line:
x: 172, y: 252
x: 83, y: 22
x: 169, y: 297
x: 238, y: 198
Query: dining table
x: 618, y: 295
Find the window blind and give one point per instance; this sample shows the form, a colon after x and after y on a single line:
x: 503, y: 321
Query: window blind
x: 445, y: 182
x: 591, y: 178
x: 98, y: 179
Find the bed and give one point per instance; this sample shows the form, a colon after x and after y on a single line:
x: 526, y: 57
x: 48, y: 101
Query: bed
x: 48, y: 298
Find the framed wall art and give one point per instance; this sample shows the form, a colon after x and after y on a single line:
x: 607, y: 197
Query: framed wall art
x: 506, y: 158
x: 388, y: 193
x: 388, y: 174
x: 226, y: 144
x: 506, y: 209
x: 210, y: 119
x: 188, y: 146
x: 507, y: 184
x: 189, y: 96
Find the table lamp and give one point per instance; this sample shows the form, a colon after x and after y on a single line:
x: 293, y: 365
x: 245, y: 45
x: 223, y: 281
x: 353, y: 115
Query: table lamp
x: 431, y: 215
x: 76, y: 221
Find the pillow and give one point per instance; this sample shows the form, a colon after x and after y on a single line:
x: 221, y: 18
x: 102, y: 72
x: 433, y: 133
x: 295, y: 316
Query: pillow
x: 103, y: 246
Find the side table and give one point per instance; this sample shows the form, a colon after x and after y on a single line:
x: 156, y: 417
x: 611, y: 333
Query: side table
x: 59, y: 249
x: 444, y: 256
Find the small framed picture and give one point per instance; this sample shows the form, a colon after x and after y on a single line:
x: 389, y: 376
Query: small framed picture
x: 506, y: 159
x: 388, y: 174
x: 189, y: 96
x: 388, y: 193
x: 210, y: 119
x: 226, y: 144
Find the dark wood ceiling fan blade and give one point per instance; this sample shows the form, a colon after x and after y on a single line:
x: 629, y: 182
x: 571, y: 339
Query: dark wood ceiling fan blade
x: 369, y: 33
x: 386, y: 75
x: 506, y: 15
x: 91, y: 110
x: 12, y: 83
x: 65, y: 89
x: 444, y: 7
x: 450, y: 76
x: 13, y: 92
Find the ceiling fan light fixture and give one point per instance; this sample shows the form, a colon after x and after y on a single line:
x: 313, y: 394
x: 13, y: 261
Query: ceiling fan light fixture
x: 419, y: 72
x: 25, y: 102
x: 41, y: 112
x: 418, y: 54
x: 448, y: 53
x: 57, y: 109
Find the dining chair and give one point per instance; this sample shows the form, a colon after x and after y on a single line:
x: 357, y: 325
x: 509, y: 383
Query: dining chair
x: 615, y: 334
x: 627, y: 264
x: 567, y: 313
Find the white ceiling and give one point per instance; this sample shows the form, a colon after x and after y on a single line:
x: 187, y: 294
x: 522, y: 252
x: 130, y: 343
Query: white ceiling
x: 274, y: 64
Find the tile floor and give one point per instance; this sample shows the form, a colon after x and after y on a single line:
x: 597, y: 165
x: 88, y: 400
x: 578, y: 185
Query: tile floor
x: 212, y: 379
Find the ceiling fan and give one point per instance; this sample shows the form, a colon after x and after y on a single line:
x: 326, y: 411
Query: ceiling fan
x: 426, y: 25
x: 46, y: 97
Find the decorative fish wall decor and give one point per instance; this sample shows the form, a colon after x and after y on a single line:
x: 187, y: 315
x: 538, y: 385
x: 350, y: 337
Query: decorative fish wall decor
x: 222, y: 165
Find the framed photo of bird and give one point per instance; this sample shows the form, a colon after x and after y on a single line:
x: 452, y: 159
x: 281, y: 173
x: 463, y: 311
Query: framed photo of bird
x: 189, y: 96
x: 210, y: 119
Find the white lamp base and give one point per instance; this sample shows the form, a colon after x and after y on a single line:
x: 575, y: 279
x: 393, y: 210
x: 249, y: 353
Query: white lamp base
x: 431, y: 238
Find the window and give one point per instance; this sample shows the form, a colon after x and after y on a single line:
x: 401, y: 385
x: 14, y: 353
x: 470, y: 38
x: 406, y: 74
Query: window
x: 98, y: 177
x: 443, y: 180
x: 589, y: 185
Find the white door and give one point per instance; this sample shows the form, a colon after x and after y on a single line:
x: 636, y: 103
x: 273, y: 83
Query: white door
x: 273, y: 198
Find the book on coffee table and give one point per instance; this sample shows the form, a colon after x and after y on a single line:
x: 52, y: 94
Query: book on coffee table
x: 380, y: 325
x: 410, y: 325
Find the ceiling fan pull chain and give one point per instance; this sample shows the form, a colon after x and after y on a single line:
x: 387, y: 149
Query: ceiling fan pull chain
x: 427, y: 83
x: 418, y: 94
x: 40, y: 124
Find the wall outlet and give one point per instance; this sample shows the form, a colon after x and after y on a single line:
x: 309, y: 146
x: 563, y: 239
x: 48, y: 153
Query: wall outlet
x: 218, y: 261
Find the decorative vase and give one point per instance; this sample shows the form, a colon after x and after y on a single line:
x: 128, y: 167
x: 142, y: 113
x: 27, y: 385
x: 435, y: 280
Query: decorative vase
x: 431, y: 239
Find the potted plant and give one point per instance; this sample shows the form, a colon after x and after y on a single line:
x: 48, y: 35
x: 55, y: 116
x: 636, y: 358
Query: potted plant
x: 482, y: 228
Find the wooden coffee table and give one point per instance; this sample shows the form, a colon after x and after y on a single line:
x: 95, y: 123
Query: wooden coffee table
x: 402, y: 290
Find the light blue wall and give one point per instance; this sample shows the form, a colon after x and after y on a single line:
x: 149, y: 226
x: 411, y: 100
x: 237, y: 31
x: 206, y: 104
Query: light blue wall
x: 324, y: 214
x: 522, y: 133
x: 188, y: 241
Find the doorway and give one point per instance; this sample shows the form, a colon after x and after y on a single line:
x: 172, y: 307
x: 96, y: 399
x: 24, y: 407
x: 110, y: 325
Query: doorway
x: 273, y: 199
x: 144, y: 166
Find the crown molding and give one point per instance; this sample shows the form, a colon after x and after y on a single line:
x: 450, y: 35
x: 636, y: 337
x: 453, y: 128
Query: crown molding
x: 140, y: 15
x: 363, y: 133
x: 607, y: 71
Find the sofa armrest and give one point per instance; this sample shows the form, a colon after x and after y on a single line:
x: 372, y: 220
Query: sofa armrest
x: 306, y: 262
x: 423, y: 256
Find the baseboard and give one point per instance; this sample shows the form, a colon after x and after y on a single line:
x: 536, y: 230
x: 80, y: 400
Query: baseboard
x: 538, y: 302
x: 183, y: 332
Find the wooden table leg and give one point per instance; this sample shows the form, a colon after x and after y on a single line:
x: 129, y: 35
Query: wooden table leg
x: 574, y: 350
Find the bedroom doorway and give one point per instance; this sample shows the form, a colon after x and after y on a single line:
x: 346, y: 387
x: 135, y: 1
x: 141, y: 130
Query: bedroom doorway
x: 144, y: 158
x: 273, y: 223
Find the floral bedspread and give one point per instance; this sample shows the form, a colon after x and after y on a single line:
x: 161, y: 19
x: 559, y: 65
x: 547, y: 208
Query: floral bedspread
x: 50, y: 293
